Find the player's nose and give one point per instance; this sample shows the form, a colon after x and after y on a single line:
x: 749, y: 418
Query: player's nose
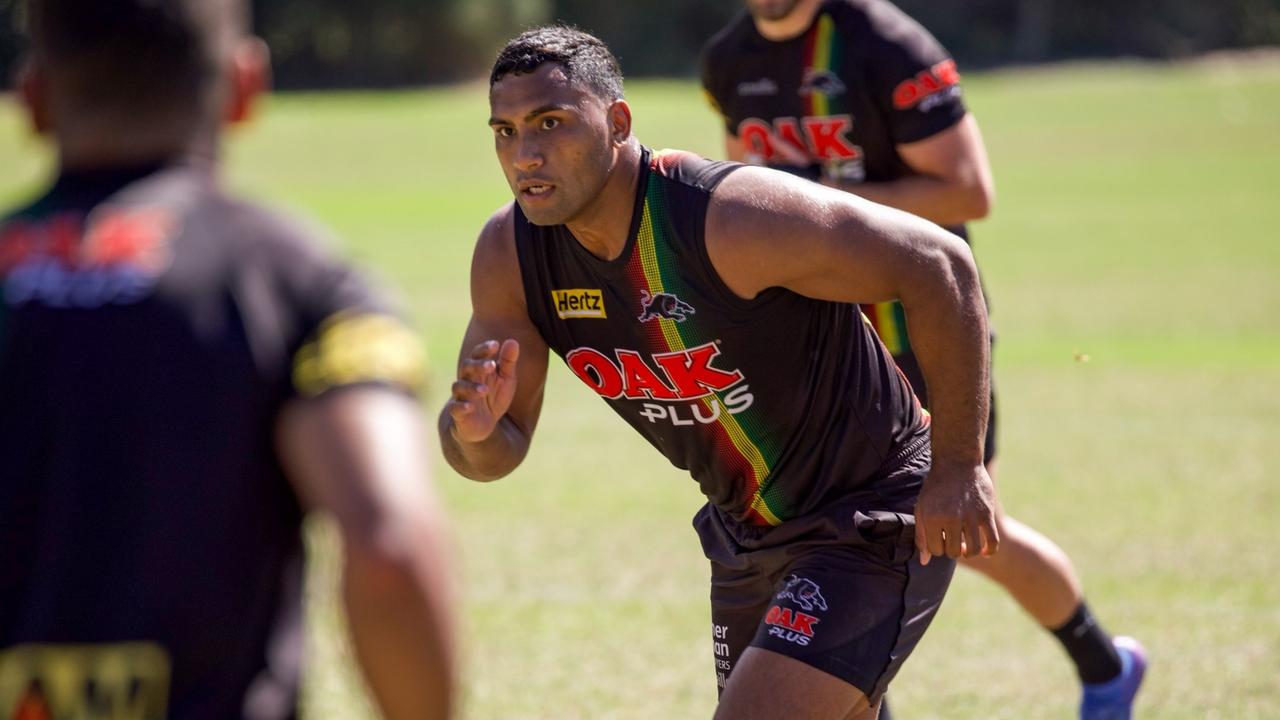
x: 528, y: 156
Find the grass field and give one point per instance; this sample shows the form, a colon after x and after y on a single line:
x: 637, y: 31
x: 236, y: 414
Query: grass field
x: 1138, y: 223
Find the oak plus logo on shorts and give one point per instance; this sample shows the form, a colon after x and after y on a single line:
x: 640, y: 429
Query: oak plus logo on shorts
x: 578, y: 303
x: 803, y: 592
x: 791, y: 625
x: 663, y: 305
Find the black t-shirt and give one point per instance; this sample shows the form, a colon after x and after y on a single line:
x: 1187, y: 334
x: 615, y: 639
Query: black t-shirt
x: 151, y: 328
x: 777, y: 406
x: 862, y: 79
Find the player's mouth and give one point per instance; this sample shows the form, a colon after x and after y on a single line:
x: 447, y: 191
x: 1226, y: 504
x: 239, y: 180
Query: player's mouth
x: 534, y: 189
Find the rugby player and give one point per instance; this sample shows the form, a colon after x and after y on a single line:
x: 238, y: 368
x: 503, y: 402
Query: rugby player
x: 713, y: 306
x: 183, y: 374
x: 855, y: 94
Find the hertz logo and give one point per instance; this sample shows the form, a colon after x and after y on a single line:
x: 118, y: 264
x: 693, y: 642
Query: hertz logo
x: 578, y: 303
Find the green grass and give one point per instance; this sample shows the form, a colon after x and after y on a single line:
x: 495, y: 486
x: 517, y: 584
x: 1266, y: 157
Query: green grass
x: 1136, y: 224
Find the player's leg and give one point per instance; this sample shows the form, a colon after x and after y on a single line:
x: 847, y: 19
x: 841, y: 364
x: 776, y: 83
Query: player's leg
x: 770, y: 686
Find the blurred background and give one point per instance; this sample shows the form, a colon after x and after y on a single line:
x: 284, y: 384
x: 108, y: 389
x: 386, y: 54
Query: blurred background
x: 1132, y: 259
x: 386, y: 43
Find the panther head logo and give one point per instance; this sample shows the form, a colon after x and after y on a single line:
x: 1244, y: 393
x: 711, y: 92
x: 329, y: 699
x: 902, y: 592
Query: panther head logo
x: 803, y: 592
x: 824, y: 82
x: 663, y: 305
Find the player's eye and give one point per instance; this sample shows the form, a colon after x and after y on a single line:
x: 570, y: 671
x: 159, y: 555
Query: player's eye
x: 549, y: 123
x: 503, y: 131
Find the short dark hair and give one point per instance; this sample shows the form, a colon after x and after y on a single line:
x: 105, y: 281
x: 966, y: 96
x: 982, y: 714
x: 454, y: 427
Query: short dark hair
x: 585, y: 58
x: 136, y: 56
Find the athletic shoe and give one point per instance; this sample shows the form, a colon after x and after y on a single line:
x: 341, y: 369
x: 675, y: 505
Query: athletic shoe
x: 1113, y: 700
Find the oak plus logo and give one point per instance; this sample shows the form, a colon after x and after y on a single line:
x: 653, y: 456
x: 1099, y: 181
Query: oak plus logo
x: 791, y: 625
x: 929, y: 88
x: 687, y: 388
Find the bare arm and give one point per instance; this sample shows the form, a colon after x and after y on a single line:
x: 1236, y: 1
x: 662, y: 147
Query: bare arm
x: 952, y: 181
x: 768, y: 229
x: 488, y: 422
x: 357, y: 454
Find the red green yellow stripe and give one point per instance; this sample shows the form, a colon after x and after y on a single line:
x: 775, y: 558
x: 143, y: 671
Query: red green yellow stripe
x: 732, y: 442
x: 820, y: 54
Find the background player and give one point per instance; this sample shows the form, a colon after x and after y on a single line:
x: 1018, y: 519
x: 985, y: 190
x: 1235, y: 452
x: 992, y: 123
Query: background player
x: 855, y: 94
x: 661, y: 281
x: 168, y: 356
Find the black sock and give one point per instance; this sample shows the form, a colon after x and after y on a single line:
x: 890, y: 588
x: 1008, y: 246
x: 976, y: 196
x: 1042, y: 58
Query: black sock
x: 1090, y: 647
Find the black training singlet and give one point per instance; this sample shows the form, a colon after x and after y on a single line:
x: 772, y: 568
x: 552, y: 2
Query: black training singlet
x: 777, y: 405
x: 150, y: 552
x: 861, y: 80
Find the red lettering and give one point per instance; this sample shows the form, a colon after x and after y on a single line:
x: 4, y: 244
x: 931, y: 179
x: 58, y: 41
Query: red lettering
x: 789, y: 131
x: 803, y: 623
x: 691, y: 372
x: 799, y: 622
x: 947, y: 72
x: 127, y: 238
x: 641, y: 382
x: 757, y: 138
x: 596, y: 370
x: 906, y: 94
x: 826, y: 137
x: 17, y: 243
x: 64, y: 238
x: 928, y: 83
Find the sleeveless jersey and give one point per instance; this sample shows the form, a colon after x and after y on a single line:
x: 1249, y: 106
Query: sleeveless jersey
x: 777, y: 406
x: 150, y: 549
x: 862, y: 79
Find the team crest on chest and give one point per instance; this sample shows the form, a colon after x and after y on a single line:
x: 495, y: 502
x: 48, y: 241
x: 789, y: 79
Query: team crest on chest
x: 663, y: 305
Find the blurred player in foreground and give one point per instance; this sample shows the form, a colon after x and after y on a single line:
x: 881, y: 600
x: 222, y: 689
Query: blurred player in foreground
x: 713, y: 306
x: 183, y: 375
x: 857, y: 95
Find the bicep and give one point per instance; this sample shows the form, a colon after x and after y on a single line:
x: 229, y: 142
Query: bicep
x: 767, y: 229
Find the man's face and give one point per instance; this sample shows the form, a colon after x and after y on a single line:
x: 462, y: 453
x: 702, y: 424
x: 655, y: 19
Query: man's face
x: 553, y: 141
x: 771, y: 10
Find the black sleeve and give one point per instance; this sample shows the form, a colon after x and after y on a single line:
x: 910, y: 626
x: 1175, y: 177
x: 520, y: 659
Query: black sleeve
x: 346, y: 330
x: 712, y: 87
x: 913, y: 80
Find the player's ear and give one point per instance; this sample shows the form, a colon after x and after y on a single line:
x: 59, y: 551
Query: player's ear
x: 620, y: 121
x: 33, y: 88
x: 249, y: 76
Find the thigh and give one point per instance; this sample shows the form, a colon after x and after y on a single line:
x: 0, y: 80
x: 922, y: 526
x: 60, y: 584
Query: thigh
x: 772, y: 686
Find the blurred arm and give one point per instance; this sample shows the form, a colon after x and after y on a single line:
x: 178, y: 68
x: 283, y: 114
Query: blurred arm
x: 358, y: 455
x: 952, y: 181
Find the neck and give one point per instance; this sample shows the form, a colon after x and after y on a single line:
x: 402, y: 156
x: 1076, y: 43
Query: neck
x: 791, y: 26
x: 603, y: 226
x: 89, y: 152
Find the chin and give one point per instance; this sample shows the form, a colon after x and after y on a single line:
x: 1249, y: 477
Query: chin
x: 543, y: 216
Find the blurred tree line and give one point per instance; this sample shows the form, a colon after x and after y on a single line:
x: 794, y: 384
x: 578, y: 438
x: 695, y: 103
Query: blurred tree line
x: 381, y: 43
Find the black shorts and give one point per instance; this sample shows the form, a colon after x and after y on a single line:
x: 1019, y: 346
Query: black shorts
x: 911, y: 368
x: 842, y: 590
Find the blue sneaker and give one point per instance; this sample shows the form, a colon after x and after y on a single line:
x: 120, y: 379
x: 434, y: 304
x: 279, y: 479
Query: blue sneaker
x: 1113, y: 700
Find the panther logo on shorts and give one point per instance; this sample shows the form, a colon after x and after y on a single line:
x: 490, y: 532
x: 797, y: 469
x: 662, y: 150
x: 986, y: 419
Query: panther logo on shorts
x: 804, y: 592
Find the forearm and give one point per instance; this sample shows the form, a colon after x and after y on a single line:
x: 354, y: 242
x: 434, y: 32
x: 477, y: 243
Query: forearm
x: 398, y: 601
x: 944, y: 202
x: 947, y: 322
x: 490, y: 459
